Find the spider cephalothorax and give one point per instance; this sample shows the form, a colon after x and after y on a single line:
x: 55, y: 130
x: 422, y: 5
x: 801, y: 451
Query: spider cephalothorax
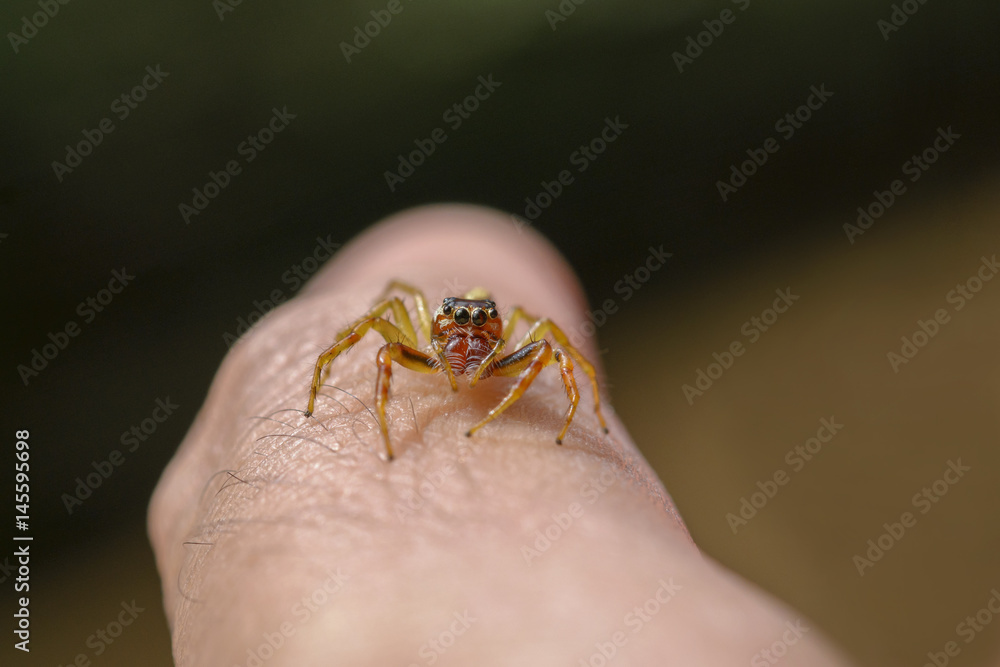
x: 465, y: 337
x: 466, y: 330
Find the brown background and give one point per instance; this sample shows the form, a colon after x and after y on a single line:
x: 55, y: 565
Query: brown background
x: 656, y: 185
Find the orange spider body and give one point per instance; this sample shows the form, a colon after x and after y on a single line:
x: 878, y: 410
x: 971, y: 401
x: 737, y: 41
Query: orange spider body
x: 465, y: 337
x: 467, y: 346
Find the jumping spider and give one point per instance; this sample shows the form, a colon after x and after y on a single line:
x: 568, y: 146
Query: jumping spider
x: 466, y: 337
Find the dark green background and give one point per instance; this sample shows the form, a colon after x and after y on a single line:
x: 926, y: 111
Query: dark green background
x: 324, y: 176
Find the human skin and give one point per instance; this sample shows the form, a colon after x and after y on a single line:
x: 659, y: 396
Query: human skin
x: 287, y: 540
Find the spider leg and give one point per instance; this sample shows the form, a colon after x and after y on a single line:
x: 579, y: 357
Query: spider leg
x: 445, y: 364
x: 526, y: 363
x: 403, y: 321
x: 516, y: 315
x: 569, y: 383
x: 487, y: 361
x: 538, y: 331
x: 423, y: 313
x: 408, y: 358
x: 477, y: 293
x: 387, y: 329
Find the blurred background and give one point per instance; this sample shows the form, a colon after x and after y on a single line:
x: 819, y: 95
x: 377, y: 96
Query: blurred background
x: 691, y: 87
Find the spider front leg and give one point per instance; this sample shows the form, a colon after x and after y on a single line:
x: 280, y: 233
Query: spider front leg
x: 545, y: 325
x: 423, y: 312
x: 527, y: 363
x: 403, y: 321
x: 406, y: 357
x: 402, y: 317
x: 445, y: 364
x: 387, y: 329
x: 516, y: 314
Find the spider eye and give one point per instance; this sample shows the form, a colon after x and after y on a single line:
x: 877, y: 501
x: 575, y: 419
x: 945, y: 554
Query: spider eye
x: 446, y: 309
x: 479, y: 317
x: 493, y: 313
x: 462, y: 316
